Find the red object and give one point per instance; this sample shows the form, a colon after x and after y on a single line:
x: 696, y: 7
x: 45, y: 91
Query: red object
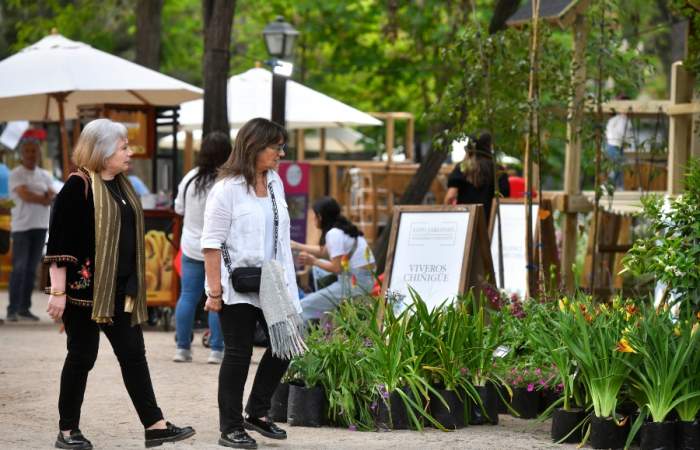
x: 177, y: 262
x: 517, y: 187
x: 295, y: 176
x: 35, y: 133
x: 377, y: 288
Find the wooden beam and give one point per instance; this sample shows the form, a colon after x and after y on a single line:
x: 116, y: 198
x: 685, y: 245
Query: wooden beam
x: 410, y: 127
x: 680, y: 127
x: 572, y: 165
x: 635, y: 106
x: 684, y: 108
x: 301, y: 150
x: 188, y: 161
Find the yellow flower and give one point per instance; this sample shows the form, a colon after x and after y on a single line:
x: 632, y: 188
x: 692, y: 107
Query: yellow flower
x: 695, y: 329
x: 677, y: 330
x: 562, y: 304
x: 624, y: 346
x: 345, y: 263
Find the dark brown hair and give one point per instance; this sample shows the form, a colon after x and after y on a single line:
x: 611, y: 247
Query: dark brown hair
x: 481, y: 168
x: 253, y: 137
x: 216, y: 149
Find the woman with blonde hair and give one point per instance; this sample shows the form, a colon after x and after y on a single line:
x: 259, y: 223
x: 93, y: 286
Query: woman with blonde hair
x: 97, y: 281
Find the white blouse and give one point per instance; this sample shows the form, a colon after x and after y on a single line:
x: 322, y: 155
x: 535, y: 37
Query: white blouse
x: 234, y: 216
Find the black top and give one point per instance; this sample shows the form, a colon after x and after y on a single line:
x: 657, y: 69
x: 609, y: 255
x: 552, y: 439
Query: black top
x: 467, y: 193
x: 127, y: 231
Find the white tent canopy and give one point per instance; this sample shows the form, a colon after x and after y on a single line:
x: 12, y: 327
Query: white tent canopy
x: 87, y: 75
x: 250, y: 96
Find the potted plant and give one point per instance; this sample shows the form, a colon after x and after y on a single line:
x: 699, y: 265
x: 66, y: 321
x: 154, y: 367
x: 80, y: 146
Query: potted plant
x: 545, y: 338
x: 665, y: 350
x: 592, y: 334
x: 688, y: 409
x: 307, y: 399
x: 526, y: 379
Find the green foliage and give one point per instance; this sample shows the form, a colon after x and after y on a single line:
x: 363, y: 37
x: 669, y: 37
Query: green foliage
x: 671, y: 250
x: 684, y: 9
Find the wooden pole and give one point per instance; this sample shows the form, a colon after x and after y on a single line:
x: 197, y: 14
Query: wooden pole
x: 410, y: 127
x: 389, y: 138
x: 67, y: 166
x: 301, y: 146
x: 188, y: 161
x: 322, y: 144
x: 572, y: 166
x: 532, y: 128
x: 679, y: 130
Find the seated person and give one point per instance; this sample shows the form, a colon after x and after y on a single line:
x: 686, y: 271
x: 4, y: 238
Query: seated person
x: 348, y: 255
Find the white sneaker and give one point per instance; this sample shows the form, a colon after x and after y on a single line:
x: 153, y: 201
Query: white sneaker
x: 182, y: 355
x: 215, y: 357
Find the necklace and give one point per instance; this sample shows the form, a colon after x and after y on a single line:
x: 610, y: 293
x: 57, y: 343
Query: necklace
x: 117, y: 194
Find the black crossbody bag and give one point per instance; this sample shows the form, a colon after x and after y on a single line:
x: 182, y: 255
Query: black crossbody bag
x: 247, y: 279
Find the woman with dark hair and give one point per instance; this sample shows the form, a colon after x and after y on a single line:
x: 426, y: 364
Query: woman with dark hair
x: 348, y: 256
x: 97, y: 268
x: 472, y: 181
x: 246, y: 224
x: 190, y: 202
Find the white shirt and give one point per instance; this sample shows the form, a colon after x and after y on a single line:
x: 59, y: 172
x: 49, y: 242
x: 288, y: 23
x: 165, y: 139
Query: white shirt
x: 234, y: 216
x: 266, y: 205
x: 25, y: 215
x: 338, y: 243
x: 192, y: 207
x: 619, y: 129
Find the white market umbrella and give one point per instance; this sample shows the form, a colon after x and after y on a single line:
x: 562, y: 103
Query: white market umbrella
x: 338, y: 140
x: 49, y: 79
x: 250, y: 95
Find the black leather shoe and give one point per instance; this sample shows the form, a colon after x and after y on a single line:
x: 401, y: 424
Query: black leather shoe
x: 75, y: 441
x: 171, y: 433
x: 237, y: 439
x: 265, y: 427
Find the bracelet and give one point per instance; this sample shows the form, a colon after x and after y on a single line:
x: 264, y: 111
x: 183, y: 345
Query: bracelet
x: 57, y: 293
x: 215, y: 297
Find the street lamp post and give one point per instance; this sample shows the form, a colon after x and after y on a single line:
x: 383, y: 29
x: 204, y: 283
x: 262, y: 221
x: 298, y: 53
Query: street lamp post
x: 280, y: 37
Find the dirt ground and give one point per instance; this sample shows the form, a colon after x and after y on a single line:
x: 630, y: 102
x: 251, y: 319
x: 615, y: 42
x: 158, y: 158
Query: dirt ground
x: 30, y: 364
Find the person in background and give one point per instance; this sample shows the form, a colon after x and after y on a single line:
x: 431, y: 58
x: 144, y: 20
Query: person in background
x: 472, y: 181
x: 30, y: 189
x: 97, y: 271
x: 618, y: 134
x: 138, y: 185
x: 190, y: 202
x: 244, y: 209
x: 348, y: 256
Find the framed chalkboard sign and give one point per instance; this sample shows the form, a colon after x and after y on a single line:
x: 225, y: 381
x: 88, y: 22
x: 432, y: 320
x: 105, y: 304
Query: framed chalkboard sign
x: 439, y: 251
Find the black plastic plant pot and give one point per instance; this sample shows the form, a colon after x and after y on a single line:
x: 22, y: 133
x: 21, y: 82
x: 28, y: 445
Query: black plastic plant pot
x: 392, y: 414
x: 688, y: 434
x: 306, y: 406
x: 605, y: 433
x: 525, y: 403
x: 565, y: 423
x: 278, y: 404
x: 488, y: 414
x: 503, y: 401
x: 658, y: 436
x: 547, y: 398
x: 452, y: 416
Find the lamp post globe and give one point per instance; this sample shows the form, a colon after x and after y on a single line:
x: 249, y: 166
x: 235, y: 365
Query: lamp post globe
x: 280, y: 37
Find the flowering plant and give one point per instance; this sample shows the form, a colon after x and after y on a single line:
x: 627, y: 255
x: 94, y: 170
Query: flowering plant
x: 530, y: 375
x: 592, y: 333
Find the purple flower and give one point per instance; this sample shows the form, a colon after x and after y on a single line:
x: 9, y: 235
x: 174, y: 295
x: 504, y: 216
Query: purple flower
x: 464, y: 371
x: 373, y: 406
x: 352, y: 427
x: 530, y: 387
x: 538, y: 371
x: 367, y: 342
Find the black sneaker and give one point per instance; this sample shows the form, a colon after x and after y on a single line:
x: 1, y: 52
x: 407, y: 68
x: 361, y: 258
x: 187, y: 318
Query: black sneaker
x: 27, y: 315
x: 265, y: 427
x: 171, y: 433
x: 11, y: 317
x: 237, y: 439
x: 75, y: 441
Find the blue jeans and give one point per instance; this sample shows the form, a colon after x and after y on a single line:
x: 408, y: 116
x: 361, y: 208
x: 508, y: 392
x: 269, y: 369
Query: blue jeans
x: 317, y: 303
x: 27, y: 247
x: 191, y: 288
x: 614, y: 154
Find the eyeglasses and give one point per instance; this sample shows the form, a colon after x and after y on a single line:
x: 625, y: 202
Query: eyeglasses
x: 280, y: 148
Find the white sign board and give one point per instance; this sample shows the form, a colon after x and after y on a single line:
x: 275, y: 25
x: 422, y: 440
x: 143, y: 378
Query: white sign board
x: 514, y: 251
x: 429, y: 254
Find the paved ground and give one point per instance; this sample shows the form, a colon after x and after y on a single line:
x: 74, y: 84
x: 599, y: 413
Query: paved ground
x: 30, y: 363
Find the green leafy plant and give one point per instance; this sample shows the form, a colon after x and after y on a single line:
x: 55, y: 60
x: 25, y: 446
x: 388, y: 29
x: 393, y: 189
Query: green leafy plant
x: 592, y: 333
x: 671, y: 250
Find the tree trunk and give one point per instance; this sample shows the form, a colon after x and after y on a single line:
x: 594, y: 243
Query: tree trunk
x: 148, y: 25
x: 413, y: 195
x: 218, y: 20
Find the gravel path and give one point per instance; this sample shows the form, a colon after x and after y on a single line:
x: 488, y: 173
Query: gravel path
x: 30, y: 365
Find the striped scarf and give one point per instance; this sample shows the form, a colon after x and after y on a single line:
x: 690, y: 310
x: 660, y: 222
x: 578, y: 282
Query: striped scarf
x: 107, y: 227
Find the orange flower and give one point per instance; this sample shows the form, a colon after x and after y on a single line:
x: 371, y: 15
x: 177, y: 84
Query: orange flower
x: 630, y: 310
x: 698, y: 315
x: 353, y: 281
x: 345, y: 263
x: 624, y: 346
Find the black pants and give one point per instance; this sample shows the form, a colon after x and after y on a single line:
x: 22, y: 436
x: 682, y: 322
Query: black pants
x: 83, y: 342
x: 238, y: 327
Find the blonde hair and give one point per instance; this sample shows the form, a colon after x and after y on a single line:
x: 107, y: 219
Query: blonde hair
x: 98, y: 141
